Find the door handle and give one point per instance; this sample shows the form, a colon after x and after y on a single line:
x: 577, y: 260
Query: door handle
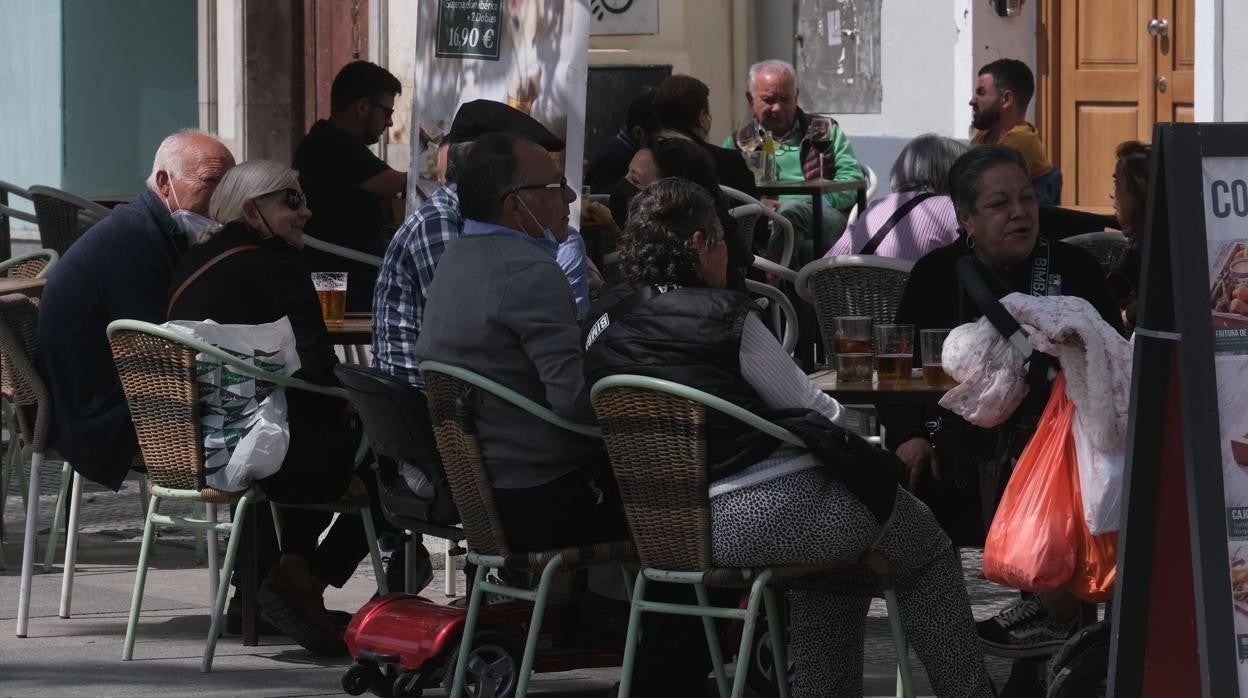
x: 1158, y: 27
x: 1161, y: 84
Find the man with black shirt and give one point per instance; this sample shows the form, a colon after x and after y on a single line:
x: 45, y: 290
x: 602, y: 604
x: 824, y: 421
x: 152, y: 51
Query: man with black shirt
x: 346, y: 184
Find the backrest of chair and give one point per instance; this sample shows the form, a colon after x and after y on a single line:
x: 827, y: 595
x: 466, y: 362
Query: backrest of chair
x: 7, y: 211
x: 451, y: 410
x: 19, y: 317
x: 36, y: 265
x: 396, y: 419
x: 1108, y: 248
x: 747, y: 216
x: 657, y: 446
x: 853, y: 285
x: 158, y: 379
x: 63, y: 217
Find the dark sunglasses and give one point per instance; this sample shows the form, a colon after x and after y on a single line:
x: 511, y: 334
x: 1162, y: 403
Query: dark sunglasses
x: 294, y: 200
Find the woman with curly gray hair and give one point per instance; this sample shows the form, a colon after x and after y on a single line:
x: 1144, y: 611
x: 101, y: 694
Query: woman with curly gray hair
x: 672, y: 319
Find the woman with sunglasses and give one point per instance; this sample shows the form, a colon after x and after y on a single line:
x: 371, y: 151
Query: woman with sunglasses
x: 249, y: 271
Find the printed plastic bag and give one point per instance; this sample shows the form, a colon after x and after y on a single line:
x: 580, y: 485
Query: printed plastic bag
x: 1100, y: 481
x: 1032, y: 543
x: 246, y: 432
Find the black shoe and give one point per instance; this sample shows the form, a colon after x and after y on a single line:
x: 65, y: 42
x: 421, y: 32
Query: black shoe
x: 396, y: 569
x: 1024, y: 682
x: 234, y: 620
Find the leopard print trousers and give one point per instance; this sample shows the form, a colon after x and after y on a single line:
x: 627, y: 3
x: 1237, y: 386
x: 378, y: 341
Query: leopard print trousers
x: 808, y: 517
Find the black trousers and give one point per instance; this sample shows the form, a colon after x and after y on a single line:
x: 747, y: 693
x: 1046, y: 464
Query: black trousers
x: 584, y: 507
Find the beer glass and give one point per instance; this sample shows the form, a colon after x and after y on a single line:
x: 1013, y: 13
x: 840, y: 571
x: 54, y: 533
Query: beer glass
x: 331, y: 290
x: 853, y: 349
x: 894, y: 351
x: 931, y: 342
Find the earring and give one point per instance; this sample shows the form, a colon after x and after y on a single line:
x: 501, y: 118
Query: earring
x: 970, y: 242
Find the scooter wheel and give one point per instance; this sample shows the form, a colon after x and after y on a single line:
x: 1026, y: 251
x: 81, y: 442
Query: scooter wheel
x: 493, y: 665
x: 409, y: 684
x: 356, y: 680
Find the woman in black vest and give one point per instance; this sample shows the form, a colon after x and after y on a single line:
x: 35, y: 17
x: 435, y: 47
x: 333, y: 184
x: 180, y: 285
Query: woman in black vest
x: 673, y: 319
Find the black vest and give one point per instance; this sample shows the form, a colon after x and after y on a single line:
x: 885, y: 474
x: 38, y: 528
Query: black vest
x: 686, y: 335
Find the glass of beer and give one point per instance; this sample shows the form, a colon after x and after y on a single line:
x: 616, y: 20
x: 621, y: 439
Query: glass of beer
x: 331, y: 289
x: 854, y: 359
x: 894, y: 351
x: 930, y: 343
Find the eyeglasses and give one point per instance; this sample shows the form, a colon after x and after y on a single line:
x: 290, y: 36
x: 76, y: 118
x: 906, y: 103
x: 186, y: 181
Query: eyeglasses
x: 388, y: 111
x: 295, y: 199
x: 559, y: 185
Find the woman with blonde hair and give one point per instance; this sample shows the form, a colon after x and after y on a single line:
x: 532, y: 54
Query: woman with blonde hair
x: 248, y: 271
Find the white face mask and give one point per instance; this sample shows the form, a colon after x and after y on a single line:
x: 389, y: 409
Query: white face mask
x: 190, y: 223
x: 547, y: 233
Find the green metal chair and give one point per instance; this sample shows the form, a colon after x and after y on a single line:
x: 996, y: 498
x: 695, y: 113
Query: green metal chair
x: 656, y: 437
x: 450, y: 390
x: 157, y: 367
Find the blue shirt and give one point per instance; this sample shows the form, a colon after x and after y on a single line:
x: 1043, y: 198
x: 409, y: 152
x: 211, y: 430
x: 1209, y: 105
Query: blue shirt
x: 406, y: 274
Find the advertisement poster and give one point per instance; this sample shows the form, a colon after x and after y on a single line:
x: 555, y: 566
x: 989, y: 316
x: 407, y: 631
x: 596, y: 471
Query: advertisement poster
x: 1225, y: 196
x: 529, y: 54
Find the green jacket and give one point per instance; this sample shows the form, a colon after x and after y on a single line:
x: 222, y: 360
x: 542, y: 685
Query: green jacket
x: 789, y: 161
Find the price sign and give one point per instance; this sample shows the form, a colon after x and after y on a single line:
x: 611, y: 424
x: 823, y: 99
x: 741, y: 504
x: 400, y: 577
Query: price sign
x: 469, y: 29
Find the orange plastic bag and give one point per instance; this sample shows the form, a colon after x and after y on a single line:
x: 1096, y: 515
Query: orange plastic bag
x: 1033, y: 541
x: 1096, y: 567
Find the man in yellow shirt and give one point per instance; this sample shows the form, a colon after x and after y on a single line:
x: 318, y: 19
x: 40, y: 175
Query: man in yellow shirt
x: 998, y: 109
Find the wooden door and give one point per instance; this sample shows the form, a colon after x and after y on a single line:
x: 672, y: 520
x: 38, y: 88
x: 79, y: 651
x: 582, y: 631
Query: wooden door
x: 1103, y: 69
x: 335, y: 33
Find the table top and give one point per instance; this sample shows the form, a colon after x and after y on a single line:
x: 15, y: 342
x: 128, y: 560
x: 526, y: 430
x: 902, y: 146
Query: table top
x: 355, y: 328
x: 899, y: 392
x: 29, y: 287
x: 812, y: 186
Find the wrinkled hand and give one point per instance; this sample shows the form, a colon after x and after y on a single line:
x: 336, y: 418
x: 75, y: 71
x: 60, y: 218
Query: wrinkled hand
x: 812, y: 166
x: 919, y: 456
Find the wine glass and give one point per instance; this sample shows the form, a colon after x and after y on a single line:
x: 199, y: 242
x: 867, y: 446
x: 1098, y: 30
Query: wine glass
x: 747, y: 135
x: 817, y: 142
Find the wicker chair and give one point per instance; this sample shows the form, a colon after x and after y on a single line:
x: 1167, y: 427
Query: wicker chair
x: 63, y: 217
x: 157, y: 371
x: 747, y: 214
x: 873, y: 183
x: 1107, y: 247
x: 655, y: 434
x: 450, y: 390
x: 864, y: 285
x: 7, y: 212
x: 783, y: 314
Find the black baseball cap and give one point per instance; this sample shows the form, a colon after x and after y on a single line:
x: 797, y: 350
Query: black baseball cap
x: 481, y: 116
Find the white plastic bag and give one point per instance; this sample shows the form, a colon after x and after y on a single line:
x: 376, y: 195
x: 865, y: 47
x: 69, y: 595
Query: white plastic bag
x: 1100, y: 480
x: 244, y: 420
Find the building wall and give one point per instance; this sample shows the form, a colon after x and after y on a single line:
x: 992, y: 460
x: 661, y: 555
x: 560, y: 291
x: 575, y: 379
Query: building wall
x: 129, y: 80
x: 1234, y: 58
x: 30, y: 82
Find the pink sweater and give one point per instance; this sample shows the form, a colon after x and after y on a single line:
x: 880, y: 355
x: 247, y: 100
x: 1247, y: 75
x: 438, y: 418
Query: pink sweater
x: 927, y: 226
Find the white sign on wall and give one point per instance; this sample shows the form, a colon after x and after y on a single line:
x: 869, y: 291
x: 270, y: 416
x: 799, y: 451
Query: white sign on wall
x: 624, y: 16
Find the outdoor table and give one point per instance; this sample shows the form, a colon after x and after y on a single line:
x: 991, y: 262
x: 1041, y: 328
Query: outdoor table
x: 900, y: 392
x: 29, y: 287
x: 113, y: 200
x: 815, y: 189
x: 355, y: 329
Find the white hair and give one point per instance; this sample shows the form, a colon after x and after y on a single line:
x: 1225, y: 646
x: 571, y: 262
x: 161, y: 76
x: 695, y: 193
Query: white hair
x: 244, y: 183
x: 173, y: 153
x: 772, y: 65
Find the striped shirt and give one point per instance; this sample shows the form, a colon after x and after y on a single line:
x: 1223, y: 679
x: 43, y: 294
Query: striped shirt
x: 927, y: 226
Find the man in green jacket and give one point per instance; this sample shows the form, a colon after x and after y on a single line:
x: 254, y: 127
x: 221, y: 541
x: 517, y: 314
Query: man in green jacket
x: 772, y: 96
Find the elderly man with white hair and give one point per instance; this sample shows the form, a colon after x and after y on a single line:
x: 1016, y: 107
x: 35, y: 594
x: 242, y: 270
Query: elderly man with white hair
x: 772, y: 94
x: 120, y: 268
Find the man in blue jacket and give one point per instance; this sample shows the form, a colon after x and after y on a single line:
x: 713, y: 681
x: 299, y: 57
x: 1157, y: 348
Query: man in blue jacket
x: 119, y: 269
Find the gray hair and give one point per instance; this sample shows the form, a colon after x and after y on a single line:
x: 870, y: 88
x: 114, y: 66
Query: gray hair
x: 246, y: 182
x: 924, y: 164
x: 771, y: 65
x: 173, y: 153
x: 966, y: 173
x: 455, y: 153
x: 493, y: 168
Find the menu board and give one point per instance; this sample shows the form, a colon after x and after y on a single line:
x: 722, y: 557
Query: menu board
x: 469, y: 29
x: 1225, y: 191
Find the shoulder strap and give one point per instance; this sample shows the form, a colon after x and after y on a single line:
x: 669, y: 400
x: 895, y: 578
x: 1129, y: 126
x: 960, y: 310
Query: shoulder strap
x: 978, y: 282
x: 1041, y: 265
x: 200, y: 272
x: 892, y: 222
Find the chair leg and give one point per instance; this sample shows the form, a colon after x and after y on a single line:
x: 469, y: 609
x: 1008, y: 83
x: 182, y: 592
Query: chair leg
x: 140, y: 578
x: 277, y: 523
x: 409, y: 563
x: 71, y: 546
x: 630, y: 639
x: 54, y: 531
x: 470, y: 628
x: 779, y: 640
x: 201, y: 550
x: 218, y: 607
x: 374, y: 552
x: 214, y: 562
x: 712, y: 642
x: 747, y: 634
x: 905, y: 681
x: 28, y: 545
x: 144, y: 494
x: 535, y: 624
x: 448, y: 570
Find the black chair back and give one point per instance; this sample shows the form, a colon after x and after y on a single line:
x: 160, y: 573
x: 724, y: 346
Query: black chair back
x: 395, y: 416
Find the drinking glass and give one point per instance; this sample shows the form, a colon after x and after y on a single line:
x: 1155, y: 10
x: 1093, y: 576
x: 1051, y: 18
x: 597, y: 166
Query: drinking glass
x: 747, y: 135
x: 930, y: 344
x: 816, y: 142
x: 331, y: 290
x: 853, y: 349
x: 894, y: 351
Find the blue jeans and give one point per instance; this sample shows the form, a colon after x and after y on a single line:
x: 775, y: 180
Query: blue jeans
x: 799, y: 212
